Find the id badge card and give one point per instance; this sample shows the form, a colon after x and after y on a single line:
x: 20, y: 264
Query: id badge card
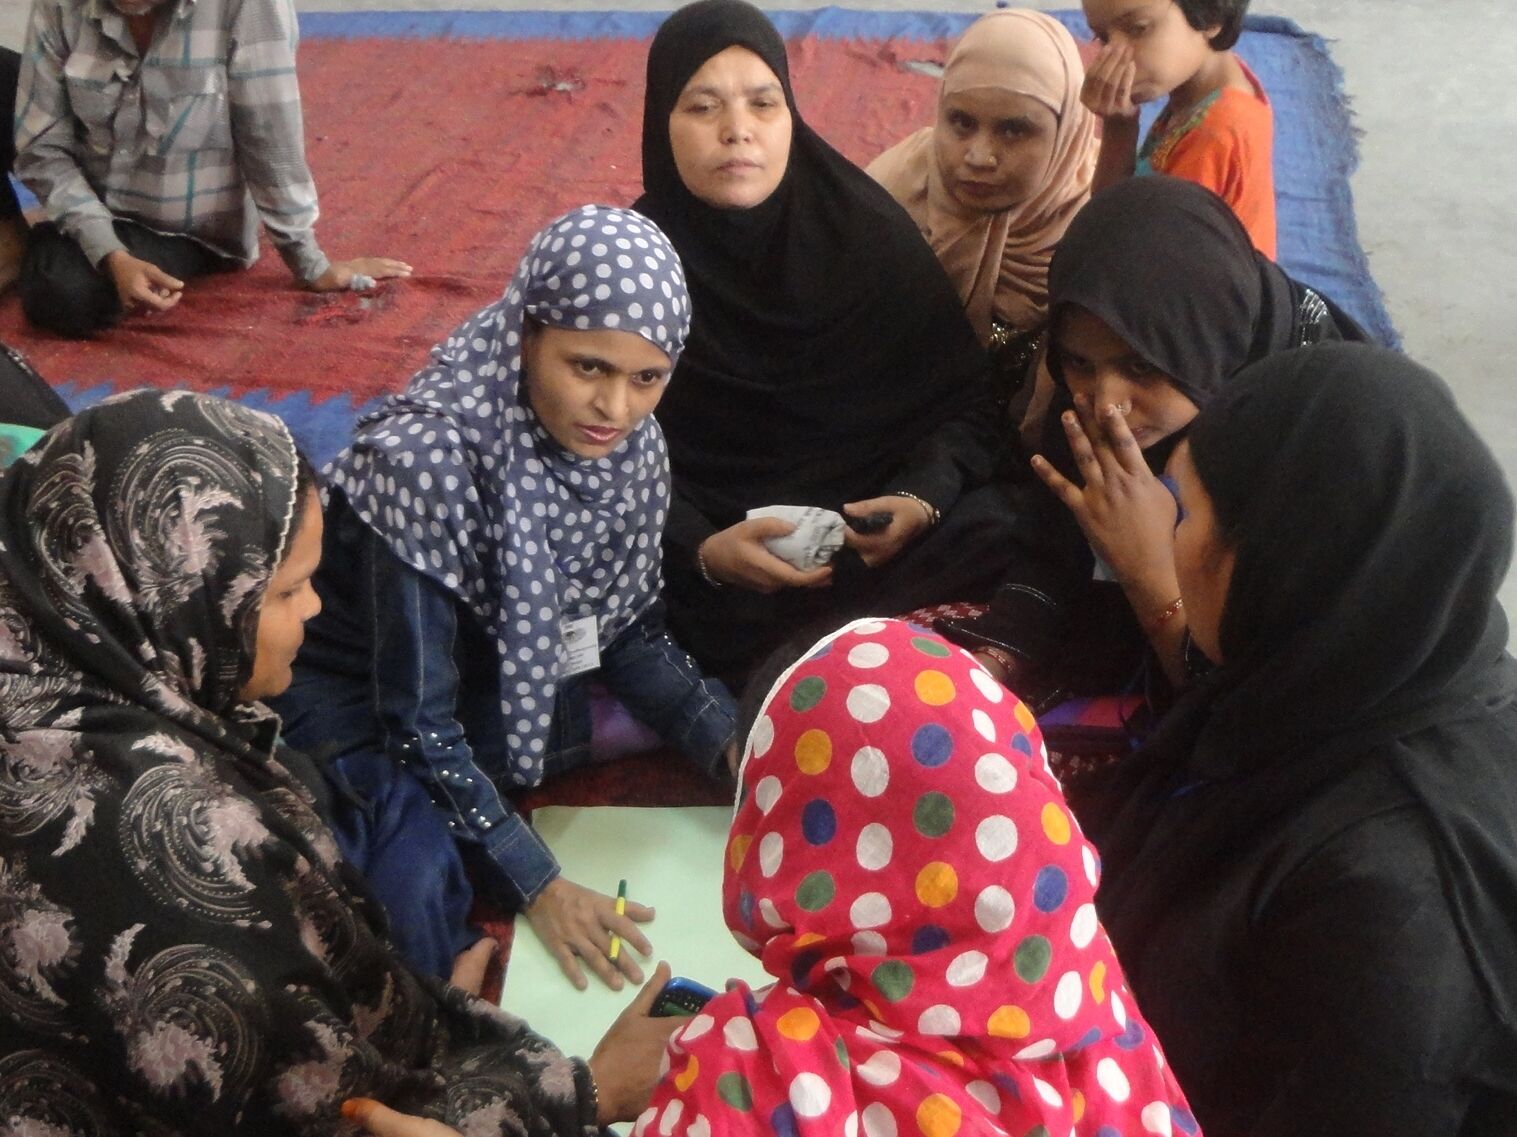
x: 581, y: 637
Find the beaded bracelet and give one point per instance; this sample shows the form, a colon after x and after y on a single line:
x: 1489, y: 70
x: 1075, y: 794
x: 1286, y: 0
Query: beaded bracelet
x: 700, y: 563
x: 927, y: 507
x: 1165, y: 616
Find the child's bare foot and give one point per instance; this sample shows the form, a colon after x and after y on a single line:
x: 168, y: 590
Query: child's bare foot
x: 12, y: 249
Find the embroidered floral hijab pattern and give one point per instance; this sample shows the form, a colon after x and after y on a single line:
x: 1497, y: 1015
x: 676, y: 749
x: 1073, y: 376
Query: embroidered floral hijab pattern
x: 181, y: 950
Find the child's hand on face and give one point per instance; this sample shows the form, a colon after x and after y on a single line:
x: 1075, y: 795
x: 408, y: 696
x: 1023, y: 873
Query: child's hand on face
x: 1108, y: 84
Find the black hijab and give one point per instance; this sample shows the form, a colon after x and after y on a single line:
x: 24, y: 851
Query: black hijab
x: 827, y: 340
x: 1372, y: 529
x: 195, y: 957
x: 25, y: 397
x: 1167, y: 265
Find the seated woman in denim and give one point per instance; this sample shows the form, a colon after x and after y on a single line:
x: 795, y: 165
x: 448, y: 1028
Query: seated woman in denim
x: 492, y: 548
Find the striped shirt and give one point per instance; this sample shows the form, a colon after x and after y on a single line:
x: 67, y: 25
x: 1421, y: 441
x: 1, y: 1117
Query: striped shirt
x: 200, y: 137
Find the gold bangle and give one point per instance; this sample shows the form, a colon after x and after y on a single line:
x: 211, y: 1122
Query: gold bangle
x: 1165, y: 616
x: 594, y: 1093
x: 927, y: 507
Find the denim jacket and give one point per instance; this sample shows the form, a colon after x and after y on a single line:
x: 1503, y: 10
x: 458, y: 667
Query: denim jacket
x: 433, y: 681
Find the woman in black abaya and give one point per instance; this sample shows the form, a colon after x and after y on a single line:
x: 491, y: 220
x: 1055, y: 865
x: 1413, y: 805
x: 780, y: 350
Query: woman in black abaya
x: 1311, y: 870
x: 829, y: 364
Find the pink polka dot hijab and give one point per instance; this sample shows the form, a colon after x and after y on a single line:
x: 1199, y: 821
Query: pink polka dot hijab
x: 467, y: 486
x: 904, y: 864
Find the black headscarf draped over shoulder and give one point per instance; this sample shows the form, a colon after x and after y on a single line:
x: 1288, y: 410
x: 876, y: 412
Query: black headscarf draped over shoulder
x: 195, y: 956
x: 827, y: 340
x: 1372, y: 529
x: 1169, y: 268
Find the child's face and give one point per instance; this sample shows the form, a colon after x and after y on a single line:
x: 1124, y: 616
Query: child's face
x: 1167, y: 50
x: 590, y: 389
x: 1101, y: 371
x: 993, y: 147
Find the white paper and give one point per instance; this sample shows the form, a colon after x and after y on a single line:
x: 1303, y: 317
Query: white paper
x: 581, y: 638
x: 817, y: 538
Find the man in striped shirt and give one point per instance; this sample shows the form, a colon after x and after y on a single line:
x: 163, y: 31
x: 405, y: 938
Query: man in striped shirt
x: 157, y: 134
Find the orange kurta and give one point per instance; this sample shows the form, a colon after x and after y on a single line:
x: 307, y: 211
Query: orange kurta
x: 1227, y: 145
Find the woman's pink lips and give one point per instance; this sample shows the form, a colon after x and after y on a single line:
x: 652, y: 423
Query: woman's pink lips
x: 600, y: 435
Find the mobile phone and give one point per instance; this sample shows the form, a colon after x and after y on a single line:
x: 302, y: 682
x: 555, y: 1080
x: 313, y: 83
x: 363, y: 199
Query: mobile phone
x: 680, y: 997
x: 870, y: 523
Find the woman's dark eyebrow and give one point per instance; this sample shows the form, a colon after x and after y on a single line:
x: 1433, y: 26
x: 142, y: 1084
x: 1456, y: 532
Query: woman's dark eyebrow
x: 750, y: 92
x: 1017, y: 122
x: 586, y: 359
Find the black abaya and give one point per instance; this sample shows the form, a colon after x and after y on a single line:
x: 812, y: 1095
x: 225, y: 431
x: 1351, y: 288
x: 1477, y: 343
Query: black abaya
x: 1311, y: 870
x: 829, y: 361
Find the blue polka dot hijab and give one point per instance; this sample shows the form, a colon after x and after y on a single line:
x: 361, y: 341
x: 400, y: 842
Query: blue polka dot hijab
x: 464, y: 483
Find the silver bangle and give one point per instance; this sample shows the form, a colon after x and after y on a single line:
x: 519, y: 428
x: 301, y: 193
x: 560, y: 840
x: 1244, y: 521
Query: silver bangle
x: 700, y: 563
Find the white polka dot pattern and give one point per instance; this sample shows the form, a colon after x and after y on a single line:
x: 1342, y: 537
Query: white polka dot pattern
x: 467, y: 488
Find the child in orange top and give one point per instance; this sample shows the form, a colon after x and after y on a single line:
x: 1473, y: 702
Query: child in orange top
x: 1217, y: 128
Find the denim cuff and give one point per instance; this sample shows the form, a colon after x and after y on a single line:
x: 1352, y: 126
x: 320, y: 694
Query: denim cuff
x: 705, y: 729
x: 526, y: 865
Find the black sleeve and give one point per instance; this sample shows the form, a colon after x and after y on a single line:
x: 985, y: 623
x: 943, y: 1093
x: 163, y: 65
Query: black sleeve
x: 25, y: 396
x: 961, y: 453
x: 686, y: 528
x: 1051, y: 569
x: 1362, y: 995
x: 10, y: 76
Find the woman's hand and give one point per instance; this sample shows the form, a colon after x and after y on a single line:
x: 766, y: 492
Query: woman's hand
x: 1108, y: 83
x: 575, y: 923
x: 1126, y: 513
x: 470, y: 966
x: 908, y: 520
x: 628, y: 1061
x: 383, y: 1121
x: 737, y: 555
x: 341, y: 274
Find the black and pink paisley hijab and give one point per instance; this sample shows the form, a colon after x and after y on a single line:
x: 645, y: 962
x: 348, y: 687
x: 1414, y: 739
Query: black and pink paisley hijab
x: 181, y: 950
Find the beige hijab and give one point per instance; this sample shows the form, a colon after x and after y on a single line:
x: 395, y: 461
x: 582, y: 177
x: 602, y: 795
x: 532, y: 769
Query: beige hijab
x: 999, y: 261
